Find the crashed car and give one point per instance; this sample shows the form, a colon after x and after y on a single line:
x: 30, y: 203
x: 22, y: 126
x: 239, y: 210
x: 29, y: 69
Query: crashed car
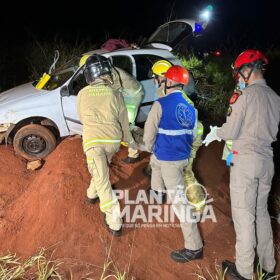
x: 34, y: 119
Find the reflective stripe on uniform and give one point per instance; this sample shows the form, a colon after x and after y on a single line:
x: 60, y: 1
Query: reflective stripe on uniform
x: 89, y: 160
x: 130, y: 106
x: 175, y: 132
x: 229, y: 144
x: 108, y: 204
x: 89, y: 143
x: 131, y: 110
x: 200, y: 129
x: 98, y: 91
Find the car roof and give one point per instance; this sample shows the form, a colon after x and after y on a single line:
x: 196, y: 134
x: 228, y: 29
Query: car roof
x: 131, y: 51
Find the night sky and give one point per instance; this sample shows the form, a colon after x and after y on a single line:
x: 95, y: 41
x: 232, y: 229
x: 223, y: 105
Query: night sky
x: 255, y: 21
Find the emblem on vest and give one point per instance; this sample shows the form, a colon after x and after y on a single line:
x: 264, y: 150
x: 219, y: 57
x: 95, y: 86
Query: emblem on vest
x: 184, y: 115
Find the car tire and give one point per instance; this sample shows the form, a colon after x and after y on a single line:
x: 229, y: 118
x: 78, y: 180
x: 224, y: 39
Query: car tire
x: 34, y: 141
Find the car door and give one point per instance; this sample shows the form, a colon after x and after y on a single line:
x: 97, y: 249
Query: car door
x: 139, y: 65
x: 171, y: 34
x: 69, y: 102
x: 144, y: 63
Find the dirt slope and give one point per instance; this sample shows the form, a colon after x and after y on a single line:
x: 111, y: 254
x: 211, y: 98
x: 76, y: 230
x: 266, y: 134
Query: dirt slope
x: 47, y: 208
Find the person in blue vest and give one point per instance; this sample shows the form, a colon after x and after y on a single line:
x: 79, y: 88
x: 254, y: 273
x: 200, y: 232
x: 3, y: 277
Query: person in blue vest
x: 169, y: 132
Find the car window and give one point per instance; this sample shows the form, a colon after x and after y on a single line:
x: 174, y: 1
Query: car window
x: 77, y: 83
x: 122, y: 61
x: 144, y: 63
x: 62, y: 74
x: 171, y: 33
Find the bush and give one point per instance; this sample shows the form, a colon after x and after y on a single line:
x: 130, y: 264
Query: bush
x: 27, y: 63
x: 214, y: 84
x: 41, y: 55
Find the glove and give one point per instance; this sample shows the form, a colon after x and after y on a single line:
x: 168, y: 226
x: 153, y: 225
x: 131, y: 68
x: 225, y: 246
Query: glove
x: 211, y: 136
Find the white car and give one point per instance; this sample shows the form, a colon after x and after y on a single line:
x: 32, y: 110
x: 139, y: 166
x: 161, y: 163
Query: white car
x: 34, y: 119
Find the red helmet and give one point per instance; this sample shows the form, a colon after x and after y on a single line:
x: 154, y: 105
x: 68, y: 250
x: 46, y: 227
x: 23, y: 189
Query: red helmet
x: 250, y: 57
x: 178, y: 74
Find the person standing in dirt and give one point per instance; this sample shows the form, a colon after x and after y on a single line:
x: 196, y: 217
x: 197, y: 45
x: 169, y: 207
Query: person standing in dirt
x: 252, y: 125
x: 169, y: 133
x: 159, y: 69
x: 102, y: 112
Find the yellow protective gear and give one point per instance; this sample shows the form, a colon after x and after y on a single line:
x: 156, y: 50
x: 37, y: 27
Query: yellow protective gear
x: 195, y: 194
x: 43, y: 81
x: 83, y: 59
x: 98, y: 159
x: 160, y: 67
x: 124, y: 144
x: 104, y: 117
x: 131, y: 90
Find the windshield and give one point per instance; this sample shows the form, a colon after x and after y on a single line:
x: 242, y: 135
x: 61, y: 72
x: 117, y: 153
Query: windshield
x: 63, y: 74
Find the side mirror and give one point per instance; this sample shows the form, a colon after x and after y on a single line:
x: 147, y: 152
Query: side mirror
x: 64, y: 91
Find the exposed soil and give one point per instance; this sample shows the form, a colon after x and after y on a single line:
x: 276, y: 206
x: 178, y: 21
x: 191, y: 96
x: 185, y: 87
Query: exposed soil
x: 47, y: 208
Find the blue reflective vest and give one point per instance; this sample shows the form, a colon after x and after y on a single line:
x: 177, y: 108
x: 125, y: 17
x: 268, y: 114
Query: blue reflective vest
x: 177, y: 128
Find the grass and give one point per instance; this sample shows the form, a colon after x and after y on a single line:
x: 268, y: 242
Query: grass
x: 203, y: 273
x: 36, y: 267
x: 41, y: 55
x: 40, y: 267
x: 110, y: 269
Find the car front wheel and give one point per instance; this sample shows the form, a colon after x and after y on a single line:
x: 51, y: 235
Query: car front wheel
x: 34, y: 141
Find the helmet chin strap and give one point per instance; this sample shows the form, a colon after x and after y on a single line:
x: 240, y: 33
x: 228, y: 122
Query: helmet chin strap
x: 169, y: 87
x: 246, y: 79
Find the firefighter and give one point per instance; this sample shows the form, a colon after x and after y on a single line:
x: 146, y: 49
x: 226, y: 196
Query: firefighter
x: 133, y: 94
x: 252, y: 126
x: 169, y: 132
x: 102, y: 112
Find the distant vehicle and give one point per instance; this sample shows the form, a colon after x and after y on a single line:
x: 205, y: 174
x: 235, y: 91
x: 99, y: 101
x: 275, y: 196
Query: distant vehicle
x: 33, y: 120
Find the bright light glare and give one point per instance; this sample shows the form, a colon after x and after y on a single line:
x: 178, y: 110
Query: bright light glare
x: 206, y: 15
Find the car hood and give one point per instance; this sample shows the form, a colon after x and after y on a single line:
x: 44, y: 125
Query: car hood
x: 18, y: 93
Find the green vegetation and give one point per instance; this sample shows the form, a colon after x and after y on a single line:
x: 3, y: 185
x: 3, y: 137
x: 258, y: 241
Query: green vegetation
x: 41, y: 55
x: 214, y: 85
x: 203, y: 273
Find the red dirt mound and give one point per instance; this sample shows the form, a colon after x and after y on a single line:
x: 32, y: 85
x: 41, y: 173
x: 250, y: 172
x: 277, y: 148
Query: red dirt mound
x: 47, y: 208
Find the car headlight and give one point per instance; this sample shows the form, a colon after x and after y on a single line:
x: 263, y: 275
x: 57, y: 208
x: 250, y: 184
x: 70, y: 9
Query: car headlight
x: 4, y: 127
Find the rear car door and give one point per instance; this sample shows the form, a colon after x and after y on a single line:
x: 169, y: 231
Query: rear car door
x: 69, y: 103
